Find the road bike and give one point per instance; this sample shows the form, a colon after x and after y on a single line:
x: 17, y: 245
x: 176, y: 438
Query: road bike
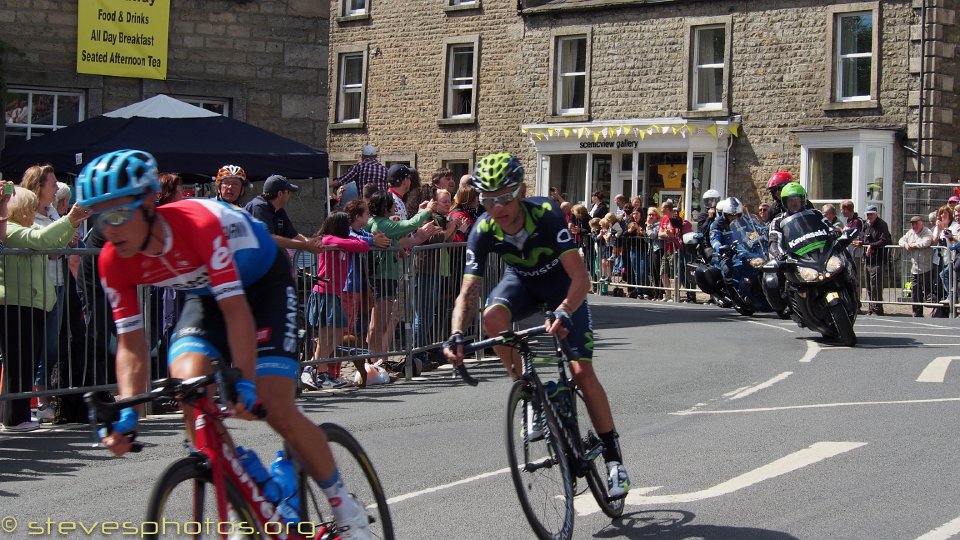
x: 210, y: 494
x: 545, y: 468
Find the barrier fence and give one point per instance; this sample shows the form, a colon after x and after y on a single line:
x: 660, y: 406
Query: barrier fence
x: 58, y: 336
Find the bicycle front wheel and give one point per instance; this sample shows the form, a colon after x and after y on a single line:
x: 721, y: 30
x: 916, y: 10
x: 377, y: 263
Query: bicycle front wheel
x: 538, y: 465
x: 595, y: 469
x: 184, y: 504
x: 361, y: 481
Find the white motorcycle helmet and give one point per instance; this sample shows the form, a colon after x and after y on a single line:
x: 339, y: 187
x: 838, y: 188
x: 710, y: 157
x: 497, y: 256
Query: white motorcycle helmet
x: 710, y: 198
x: 731, y: 206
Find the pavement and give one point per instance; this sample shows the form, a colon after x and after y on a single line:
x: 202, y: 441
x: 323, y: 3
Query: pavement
x: 732, y: 428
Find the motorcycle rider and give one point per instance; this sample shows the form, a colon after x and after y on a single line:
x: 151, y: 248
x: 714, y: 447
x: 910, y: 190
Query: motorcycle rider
x: 794, y: 199
x: 729, y: 210
x: 775, y: 185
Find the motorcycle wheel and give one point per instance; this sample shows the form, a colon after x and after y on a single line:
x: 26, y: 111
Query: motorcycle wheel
x: 843, y: 324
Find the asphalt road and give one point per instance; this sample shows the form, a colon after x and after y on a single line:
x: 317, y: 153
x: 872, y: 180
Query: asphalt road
x: 731, y: 428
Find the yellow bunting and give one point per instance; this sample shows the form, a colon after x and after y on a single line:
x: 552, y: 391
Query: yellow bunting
x: 566, y: 132
x: 596, y: 136
x: 627, y: 130
x: 734, y: 129
x: 642, y: 134
x: 712, y: 130
x: 539, y: 136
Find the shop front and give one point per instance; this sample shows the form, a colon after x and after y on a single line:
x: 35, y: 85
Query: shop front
x: 654, y: 159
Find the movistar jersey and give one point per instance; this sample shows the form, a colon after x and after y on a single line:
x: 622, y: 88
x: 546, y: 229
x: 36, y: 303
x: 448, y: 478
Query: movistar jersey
x: 532, y: 253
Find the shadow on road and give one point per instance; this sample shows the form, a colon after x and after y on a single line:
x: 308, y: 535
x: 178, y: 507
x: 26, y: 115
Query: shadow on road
x: 676, y: 524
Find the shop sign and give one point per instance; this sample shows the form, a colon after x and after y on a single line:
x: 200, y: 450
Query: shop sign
x: 123, y: 38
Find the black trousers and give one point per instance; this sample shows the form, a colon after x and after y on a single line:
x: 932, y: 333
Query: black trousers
x: 919, y: 289
x: 21, y: 344
x: 875, y: 275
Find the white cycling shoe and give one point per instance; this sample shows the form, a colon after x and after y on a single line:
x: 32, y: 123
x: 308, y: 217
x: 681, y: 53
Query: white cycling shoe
x: 618, y: 481
x: 355, y: 528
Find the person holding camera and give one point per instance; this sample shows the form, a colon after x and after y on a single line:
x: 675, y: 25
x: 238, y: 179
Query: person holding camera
x: 946, y: 234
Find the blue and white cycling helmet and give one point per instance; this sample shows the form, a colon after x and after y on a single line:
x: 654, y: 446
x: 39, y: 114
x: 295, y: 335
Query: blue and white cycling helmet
x: 114, y: 175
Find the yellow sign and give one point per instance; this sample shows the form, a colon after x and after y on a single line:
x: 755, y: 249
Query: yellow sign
x: 123, y: 38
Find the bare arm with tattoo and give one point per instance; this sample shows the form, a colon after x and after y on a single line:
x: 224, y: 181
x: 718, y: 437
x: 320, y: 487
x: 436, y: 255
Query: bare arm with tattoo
x: 463, y: 312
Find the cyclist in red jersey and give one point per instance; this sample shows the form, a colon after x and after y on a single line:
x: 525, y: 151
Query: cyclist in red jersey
x: 221, y: 257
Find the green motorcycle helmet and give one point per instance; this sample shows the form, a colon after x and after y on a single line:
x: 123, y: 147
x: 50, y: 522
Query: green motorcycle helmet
x: 790, y: 191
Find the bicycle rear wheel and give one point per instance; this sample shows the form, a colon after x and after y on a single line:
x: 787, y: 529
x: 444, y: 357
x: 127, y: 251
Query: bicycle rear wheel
x: 596, y: 470
x: 361, y: 481
x: 184, y: 504
x: 539, y: 468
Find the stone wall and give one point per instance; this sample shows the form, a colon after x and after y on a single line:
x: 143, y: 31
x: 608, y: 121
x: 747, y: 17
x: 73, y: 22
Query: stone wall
x: 267, y: 57
x: 777, y: 85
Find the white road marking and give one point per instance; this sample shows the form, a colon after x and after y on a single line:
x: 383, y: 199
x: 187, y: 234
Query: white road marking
x: 401, y: 498
x: 797, y: 460
x: 767, y: 325
x: 761, y: 386
x: 905, y: 334
x: 733, y: 392
x: 936, y: 371
x: 817, y: 406
x: 812, y: 349
x: 947, y: 530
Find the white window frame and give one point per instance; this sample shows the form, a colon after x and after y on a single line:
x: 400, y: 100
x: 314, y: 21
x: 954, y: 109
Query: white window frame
x: 453, y: 84
x: 833, y: 60
x: 31, y: 92
x: 863, y: 142
x: 354, y: 88
x: 698, y: 67
x: 562, y: 76
x: 464, y: 2
x: 346, y: 10
x: 203, y: 102
x: 840, y: 57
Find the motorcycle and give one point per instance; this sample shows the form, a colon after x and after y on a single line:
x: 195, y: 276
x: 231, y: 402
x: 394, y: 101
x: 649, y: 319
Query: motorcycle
x: 745, y: 256
x: 818, y: 276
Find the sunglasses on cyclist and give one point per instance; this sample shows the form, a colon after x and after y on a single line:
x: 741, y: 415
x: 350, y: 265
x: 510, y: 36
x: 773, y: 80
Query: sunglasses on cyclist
x: 506, y: 198
x: 118, y: 215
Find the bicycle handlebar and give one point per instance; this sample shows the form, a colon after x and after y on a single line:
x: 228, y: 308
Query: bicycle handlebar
x: 506, y: 338
x: 104, y: 414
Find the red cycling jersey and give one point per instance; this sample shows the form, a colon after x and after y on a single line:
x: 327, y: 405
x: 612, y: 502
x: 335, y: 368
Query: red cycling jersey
x: 208, y: 248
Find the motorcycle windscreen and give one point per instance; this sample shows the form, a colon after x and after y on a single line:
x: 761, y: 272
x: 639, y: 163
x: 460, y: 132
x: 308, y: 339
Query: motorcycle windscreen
x: 752, y: 236
x: 804, y: 232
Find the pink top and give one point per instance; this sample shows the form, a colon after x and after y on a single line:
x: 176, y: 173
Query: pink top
x: 332, y: 265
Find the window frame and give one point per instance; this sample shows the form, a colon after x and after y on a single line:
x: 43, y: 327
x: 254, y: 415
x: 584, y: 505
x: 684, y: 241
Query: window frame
x: 461, y: 5
x: 345, y: 14
x: 833, y: 101
x: 31, y: 91
x: 341, y: 54
x: 555, y: 111
x: 446, y: 158
x: 449, y: 45
x: 694, y: 25
x: 200, y: 101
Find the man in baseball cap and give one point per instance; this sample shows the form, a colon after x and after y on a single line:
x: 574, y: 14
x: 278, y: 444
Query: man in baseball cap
x: 269, y: 208
x: 876, y: 235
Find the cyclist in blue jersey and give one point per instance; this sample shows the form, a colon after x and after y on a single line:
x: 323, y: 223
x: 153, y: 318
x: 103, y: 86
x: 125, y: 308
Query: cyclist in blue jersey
x: 544, y: 268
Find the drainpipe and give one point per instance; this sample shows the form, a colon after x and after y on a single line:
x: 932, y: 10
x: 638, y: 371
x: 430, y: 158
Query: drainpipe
x: 923, y: 76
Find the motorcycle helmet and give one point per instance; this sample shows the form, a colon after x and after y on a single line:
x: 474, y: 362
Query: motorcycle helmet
x: 722, y: 207
x: 793, y: 191
x: 497, y: 171
x: 710, y: 198
x: 732, y: 207
x: 777, y: 181
x: 118, y: 174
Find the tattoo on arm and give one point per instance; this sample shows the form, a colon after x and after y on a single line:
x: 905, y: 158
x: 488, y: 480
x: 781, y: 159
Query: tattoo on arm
x: 466, y: 305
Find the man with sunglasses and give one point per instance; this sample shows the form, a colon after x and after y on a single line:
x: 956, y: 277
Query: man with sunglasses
x: 544, y: 268
x: 226, y: 262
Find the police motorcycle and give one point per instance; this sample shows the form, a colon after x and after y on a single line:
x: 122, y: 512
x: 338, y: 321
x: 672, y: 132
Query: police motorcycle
x: 816, y: 274
x: 705, y: 275
x: 741, y: 247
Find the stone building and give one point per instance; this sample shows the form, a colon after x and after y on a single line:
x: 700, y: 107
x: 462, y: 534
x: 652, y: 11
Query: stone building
x: 263, y: 62
x: 661, y: 98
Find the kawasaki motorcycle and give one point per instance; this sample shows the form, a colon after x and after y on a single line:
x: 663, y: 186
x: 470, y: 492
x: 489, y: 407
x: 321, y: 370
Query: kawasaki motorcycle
x: 817, y: 279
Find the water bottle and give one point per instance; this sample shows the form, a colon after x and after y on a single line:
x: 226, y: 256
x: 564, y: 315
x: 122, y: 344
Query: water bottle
x: 251, y: 463
x: 285, y: 476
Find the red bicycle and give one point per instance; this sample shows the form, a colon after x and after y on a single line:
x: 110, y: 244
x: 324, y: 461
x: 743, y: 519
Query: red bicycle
x: 209, y: 493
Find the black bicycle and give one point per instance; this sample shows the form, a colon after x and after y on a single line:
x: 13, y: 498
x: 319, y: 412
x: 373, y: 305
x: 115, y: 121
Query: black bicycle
x: 545, y: 448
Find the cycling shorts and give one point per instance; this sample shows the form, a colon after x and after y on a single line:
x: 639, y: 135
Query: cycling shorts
x: 201, y: 327
x: 525, y: 298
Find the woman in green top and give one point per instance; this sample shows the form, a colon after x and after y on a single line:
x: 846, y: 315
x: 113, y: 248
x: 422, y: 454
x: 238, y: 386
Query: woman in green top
x: 385, y: 275
x: 27, y: 295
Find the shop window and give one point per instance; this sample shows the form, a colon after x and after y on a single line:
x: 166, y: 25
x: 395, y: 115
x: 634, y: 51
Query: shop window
x: 32, y: 113
x: 571, y: 61
x: 351, y: 86
x: 217, y: 105
x: 708, y: 68
x: 853, y: 65
x: 831, y: 174
x: 568, y: 174
x: 460, y: 80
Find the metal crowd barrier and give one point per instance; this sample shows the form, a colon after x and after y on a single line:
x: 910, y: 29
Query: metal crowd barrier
x: 636, y: 263
x: 886, y: 278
